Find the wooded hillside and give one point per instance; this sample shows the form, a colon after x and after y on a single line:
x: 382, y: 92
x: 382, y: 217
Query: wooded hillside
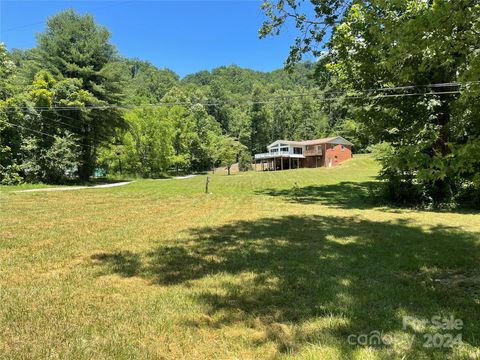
x: 73, y: 104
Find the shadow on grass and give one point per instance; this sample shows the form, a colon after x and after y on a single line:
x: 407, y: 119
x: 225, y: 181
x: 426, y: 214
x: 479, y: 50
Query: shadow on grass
x: 124, y: 263
x: 354, y: 195
x: 322, y: 278
x: 348, y: 195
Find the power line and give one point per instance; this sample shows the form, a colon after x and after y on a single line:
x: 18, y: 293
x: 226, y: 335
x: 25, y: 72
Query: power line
x: 274, y: 98
x: 43, y: 133
x: 177, y: 103
x: 49, y: 119
x: 72, y: 126
x: 411, y: 94
x: 352, y: 96
x: 18, y: 27
x: 38, y: 131
x: 32, y: 130
x: 58, y: 121
x: 29, y: 129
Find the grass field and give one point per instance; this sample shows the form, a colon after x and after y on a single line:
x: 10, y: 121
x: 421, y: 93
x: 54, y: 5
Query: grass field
x: 269, y: 265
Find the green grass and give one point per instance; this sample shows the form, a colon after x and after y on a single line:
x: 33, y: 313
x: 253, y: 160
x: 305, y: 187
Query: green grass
x: 24, y: 187
x: 269, y: 265
x: 72, y: 182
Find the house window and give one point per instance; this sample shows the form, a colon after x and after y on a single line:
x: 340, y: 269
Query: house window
x: 298, y: 150
x: 274, y: 150
x: 284, y: 149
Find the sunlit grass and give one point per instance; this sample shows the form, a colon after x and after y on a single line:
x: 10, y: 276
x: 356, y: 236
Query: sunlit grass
x: 269, y: 265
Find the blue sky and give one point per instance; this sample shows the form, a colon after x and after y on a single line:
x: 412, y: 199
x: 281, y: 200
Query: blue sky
x: 185, y: 36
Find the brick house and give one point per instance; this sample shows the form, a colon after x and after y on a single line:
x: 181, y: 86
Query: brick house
x: 284, y: 154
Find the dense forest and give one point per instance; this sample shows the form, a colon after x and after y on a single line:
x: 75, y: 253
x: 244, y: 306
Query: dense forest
x: 400, y: 79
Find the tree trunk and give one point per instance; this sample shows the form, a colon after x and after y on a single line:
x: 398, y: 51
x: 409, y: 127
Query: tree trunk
x: 85, y: 166
x: 441, y: 189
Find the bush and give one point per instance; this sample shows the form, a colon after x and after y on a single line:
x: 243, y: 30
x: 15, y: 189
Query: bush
x: 50, y: 164
x: 469, y: 195
x: 10, y: 175
x: 244, y: 161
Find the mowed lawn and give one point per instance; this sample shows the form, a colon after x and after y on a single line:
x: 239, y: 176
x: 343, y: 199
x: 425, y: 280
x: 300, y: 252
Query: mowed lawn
x: 269, y: 265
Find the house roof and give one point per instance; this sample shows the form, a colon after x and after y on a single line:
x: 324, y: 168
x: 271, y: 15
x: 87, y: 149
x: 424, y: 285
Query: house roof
x: 319, y: 141
x: 285, y: 142
x: 333, y: 140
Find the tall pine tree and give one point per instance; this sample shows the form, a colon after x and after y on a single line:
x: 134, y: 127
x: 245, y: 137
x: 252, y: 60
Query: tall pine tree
x: 75, y: 47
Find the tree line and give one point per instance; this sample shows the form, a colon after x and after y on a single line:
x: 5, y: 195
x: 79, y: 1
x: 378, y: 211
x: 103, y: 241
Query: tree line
x: 73, y: 105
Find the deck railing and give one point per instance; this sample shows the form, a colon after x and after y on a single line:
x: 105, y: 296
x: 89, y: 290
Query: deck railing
x: 269, y: 155
x: 313, y: 152
x: 262, y: 156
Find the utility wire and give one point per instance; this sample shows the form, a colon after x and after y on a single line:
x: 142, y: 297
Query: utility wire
x: 73, y: 127
x: 36, y: 131
x: 270, y: 99
x: 43, y: 133
x: 18, y: 27
x: 58, y: 121
x: 411, y: 94
x: 257, y: 102
x: 29, y: 129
